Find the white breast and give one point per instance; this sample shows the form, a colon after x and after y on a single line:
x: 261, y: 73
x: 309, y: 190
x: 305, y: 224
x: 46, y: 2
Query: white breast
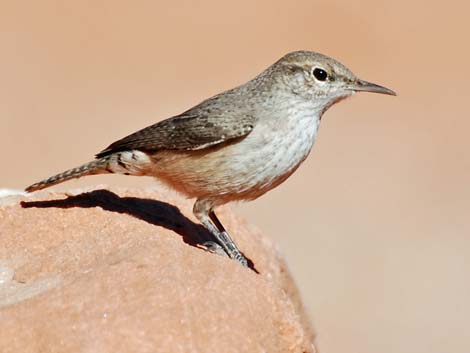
x: 274, y: 150
x: 286, y: 145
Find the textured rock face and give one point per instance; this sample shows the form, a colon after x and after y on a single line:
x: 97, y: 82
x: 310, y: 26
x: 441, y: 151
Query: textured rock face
x: 122, y: 271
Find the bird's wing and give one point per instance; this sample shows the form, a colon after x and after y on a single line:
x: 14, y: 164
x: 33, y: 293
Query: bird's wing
x: 193, y: 130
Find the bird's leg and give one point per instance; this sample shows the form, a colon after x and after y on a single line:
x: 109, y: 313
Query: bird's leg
x: 203, y: 211
x: 234, y: 253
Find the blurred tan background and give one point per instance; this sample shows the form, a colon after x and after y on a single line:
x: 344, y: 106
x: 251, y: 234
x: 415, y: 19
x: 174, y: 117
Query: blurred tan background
x: 375, y: 224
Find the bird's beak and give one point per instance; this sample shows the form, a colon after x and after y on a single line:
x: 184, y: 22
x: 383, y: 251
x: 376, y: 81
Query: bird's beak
x: 365, y: 86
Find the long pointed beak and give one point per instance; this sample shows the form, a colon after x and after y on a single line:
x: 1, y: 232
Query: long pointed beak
x: 365, y: 86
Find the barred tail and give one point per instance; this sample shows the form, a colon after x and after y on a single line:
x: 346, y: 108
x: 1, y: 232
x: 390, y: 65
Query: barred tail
x: 99, y: 166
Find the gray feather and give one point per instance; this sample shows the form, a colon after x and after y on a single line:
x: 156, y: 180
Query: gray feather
x: 210, y: 123
x: 94, y: 167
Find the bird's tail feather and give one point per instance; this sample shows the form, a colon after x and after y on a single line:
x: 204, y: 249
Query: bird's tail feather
x: 98, y: 166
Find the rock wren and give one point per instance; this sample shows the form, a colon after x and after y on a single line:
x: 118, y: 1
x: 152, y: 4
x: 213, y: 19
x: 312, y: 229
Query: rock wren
x: 236, y: 145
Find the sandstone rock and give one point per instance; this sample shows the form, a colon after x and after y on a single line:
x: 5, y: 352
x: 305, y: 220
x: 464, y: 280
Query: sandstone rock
x: 122, y: 271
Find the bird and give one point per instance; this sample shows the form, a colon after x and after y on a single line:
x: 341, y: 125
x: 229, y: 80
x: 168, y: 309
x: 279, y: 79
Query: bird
x: 236, y: 145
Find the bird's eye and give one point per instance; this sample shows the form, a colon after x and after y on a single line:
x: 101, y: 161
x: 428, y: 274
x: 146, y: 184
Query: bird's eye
x: 320, y: 74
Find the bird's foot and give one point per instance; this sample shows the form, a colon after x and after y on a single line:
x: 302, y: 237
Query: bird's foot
x: 232, y: 250
x: 215, y: 248
x: 241, y: 259
x: 234, y: 254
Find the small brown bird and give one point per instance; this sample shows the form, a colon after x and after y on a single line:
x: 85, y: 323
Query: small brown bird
x: 236, y: 145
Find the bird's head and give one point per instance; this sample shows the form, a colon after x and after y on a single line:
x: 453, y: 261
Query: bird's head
x: 317, y: 77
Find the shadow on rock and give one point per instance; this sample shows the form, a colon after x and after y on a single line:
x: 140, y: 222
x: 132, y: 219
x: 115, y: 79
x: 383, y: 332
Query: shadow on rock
x: 152, y: 211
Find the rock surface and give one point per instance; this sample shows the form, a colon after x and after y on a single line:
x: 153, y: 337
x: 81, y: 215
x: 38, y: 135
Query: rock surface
x: 122, y: 271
